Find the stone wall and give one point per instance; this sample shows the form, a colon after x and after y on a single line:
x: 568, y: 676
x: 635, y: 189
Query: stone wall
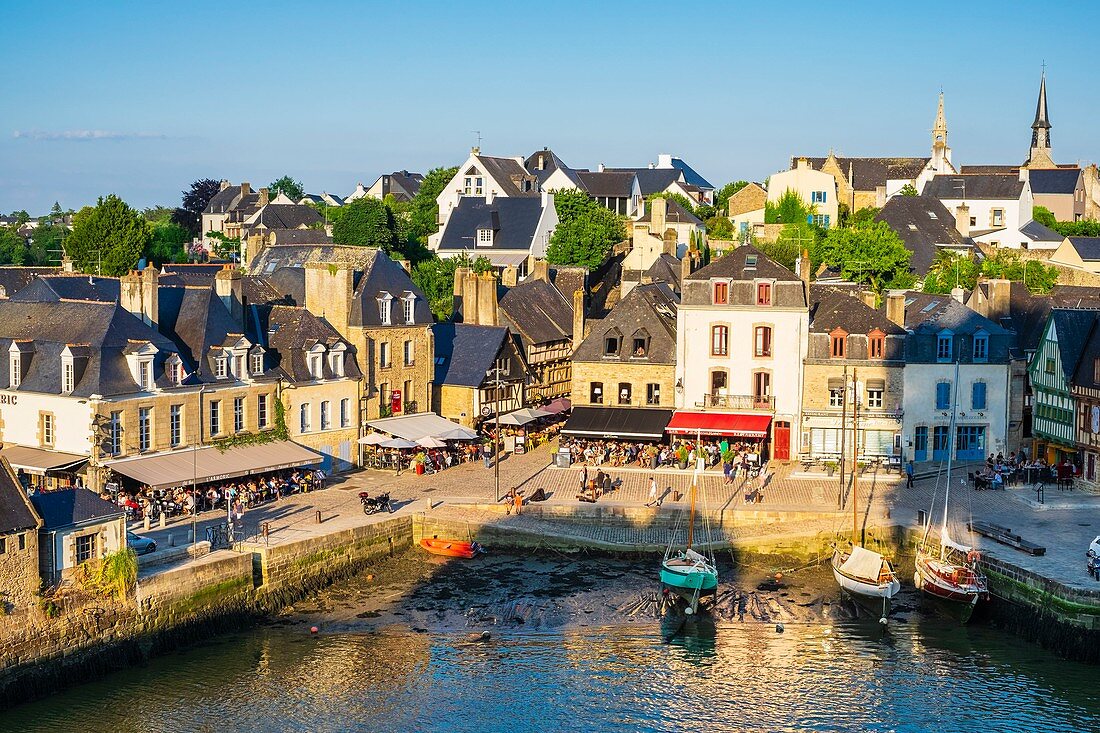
x: 610, y: 373
x: 18, y: 572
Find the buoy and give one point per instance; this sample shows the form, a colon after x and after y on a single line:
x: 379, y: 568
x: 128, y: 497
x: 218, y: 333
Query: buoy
x: 313, y: 629
x: 688, y: 611
x: 778, y: 577
x: 883, y: 621
x: 779, y: 628
x: 370, y: 577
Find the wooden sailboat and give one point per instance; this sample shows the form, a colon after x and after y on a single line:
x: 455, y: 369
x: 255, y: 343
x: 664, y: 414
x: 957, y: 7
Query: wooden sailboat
x: 864, y: 573
x: 947, y: 570
x: 690, y: 574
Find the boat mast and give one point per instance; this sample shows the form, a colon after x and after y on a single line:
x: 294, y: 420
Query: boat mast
x: 950, y: 444
x: 694, y: 476
x: 855, y: 456
x: 843, y: 432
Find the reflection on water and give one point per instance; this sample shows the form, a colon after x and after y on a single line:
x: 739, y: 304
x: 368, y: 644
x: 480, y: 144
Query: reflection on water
x: 925, y: 675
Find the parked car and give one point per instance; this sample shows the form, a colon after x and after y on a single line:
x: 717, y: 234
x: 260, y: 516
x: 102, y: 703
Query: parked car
x: 140, y: 545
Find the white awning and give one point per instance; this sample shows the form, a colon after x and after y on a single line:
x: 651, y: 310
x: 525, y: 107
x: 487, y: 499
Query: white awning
x: 414, y: 427
x: 207, y: 464
x: 503, y: 259
x: 39, y: 461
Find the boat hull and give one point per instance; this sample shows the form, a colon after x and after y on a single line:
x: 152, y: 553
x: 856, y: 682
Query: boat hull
x: 935, y: 580
x: 451, y: 548
x: 862, y: 586
x: 703, y: 582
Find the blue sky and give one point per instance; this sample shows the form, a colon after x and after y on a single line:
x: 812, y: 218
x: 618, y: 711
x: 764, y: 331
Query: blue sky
x: 139, y: 99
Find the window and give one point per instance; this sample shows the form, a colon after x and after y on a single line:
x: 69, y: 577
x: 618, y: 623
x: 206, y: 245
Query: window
x: 639, y: 346
x: 939, y: 439
x: 998, y: 217
x: 261, y: 411
x: 1050, y: 366
x: 762, y: 386
x: 114, y: 434
x: 876, y: 345
x: 406, y: 396
x: 836, y: 394
x: 216, y: 417
x: 345, y: 412
x: 15, y: 370
x: 326, y: 414
x: 719, y: 340
x: 719, y: 379
x: 303, y: 417
x: 221, y: 367
x: 1096, y: 370
x: 67, y: 377
x: 46, y: 423
x: 943, y: 395
x: 920, y: 439
x: 384, y: 308
x: 238, y: 414
x: 316, y: 366
x: 943, y: 346
x: 611, y: 345
x: 85, y: 548
x: 973, y: 221
x: 258, y: 363
x: 653, y: 394
x: 175, y: 425
x: 817, y: 197
x: 484, y: 237
x: 238, y: 366
x: 981, y: 347
x: 763, y: 293
x: 624, y: 393
x: 336, y: 362
x: 838, y: 344
x: 595, y: 393
x: 977, y: 395
x: 409, y: 307
x: 874, y: 398
x: 762, y: 341
x: 821, y: 220
x: 410, y: 353
x: 144, y: 370
x: 384, y: 355
x: 721, y: 293
x: 145, y: 428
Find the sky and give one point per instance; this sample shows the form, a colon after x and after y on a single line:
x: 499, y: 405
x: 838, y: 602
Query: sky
x: 139, y: 99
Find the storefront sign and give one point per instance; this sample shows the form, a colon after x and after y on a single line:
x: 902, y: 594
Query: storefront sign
x: 8, y: 399
x: 395, y: 401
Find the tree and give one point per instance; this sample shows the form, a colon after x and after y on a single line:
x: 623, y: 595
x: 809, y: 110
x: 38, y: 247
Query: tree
x: 46, y: 244
x: 722, y: 197
x: 107, y: 238
x: 1083, y: 228
x: 1038, y: 277
x: 586, y: 231
x: 195, y: 200
x: 908, y: 190
x: 13, y: 248
x: 168, y: 243
x: 870, y: 253
x: 866, y: 215
x: 1044, y: 216
x: 436, y: 278
x: 21, y: 217
x: 293, y: 189
x: 225, y: 248
x: 789, y: 245
x: 366, y: 222
x: 949, y: 269
x: 719, y: 227
x: 423, y: 210
x: 787, y: 210
x: 158, y: 214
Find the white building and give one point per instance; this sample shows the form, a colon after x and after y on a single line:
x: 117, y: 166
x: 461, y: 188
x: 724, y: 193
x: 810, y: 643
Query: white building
x: 485, y: 177
x: 996, y: 207
x: 817, y: 190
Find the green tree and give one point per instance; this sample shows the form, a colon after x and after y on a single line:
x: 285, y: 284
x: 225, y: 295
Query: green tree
x: 193, y: 203
x: 436, y: 278
x: 948, y: 269
x: 1044, y: 216
x: 366, y: 222
x: 866, y: 215
x: 157, y: 215
x: 1083, y: 228
x: 21, y: 217
x: 792, y: 240
x: 788, y: 209
x: 225, y: 248
x: 1038, y: 277
x: 168, y: 243
x: 586, y: 231
x: 45, y: 247
x: 870, y: 253
x: 722, y: 196
x: 13, y: 248
x: 908, y: 190
x: 719, y: 227
x: 423, y: 211
x: 107, y: 238
x: 293, y: 189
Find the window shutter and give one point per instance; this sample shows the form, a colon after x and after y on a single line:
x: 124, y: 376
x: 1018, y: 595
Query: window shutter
x: 978, y: 396
x: 809, y: 218
x: 943, y: 395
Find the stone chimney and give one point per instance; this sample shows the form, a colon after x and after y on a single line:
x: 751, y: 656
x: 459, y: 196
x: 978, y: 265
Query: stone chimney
x: 998, y: 305
x: 664, y: 160
x: 804, y: 269
x: 509, y: 277
x: 139, y: 294
x: 540, y: 270
x: 686, y: 268
x: 487, y: 299
x: 958, y: 294
x: 962, y: 219
x: 578, y: 318
x: 265, y: 197
x: 868, y: 297
x: 600, y: 168
x: 459, y: 294
x: 329, y: 291
x: 470, y: 301
x: 227, y: 284
x: 245, y: 188
x: 223, y: 185
x: 67, y: 264
x: 895, y: 307
x: 803, y: 164
x: 658, y: 213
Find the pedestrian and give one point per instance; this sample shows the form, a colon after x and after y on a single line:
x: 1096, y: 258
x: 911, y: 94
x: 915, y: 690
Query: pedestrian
x: 652, y: 492
x: 584, y: 478
x: 487, y: 456
x: 909, y: 474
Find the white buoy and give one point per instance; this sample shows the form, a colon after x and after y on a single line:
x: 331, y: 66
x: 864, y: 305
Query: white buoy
x: 689, y: 611
x: 883, y: 621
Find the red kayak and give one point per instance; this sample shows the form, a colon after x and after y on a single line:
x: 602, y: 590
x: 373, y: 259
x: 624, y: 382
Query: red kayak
x: 451, y: 548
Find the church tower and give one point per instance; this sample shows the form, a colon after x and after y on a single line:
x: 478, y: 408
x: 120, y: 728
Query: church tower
x: 941, y: 153
x: 1041, y: 156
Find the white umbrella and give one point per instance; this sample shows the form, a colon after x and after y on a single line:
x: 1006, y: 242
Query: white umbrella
x: 458, y: 433
x: 512, y: 419
x: 397, y: 443
x: 429, y: 442
x: 372, y: 439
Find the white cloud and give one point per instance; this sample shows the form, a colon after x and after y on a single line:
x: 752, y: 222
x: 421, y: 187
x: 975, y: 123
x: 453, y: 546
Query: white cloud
x: 81, y: 135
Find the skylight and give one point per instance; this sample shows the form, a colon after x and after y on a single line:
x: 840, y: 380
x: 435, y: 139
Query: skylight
x: 750, y: 261
x: 912, y: 227
x: 931, y: 306
x: 932, y: 215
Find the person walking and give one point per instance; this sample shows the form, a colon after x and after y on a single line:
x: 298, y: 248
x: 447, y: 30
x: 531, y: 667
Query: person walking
x: 487, y: 455
x: 652, y: 492
x: 584, y: 478
x: 909, y: 474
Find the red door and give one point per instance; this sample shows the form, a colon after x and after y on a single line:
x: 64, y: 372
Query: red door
x: 782, y: 441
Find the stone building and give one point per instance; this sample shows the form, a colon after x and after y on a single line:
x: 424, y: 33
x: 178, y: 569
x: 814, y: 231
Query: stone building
x: 479, y: 371
x: 77, y: 527
x: 19, y: 525
x: 854, y: 378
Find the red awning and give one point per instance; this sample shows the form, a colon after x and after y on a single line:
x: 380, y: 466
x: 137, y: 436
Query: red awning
x: 719, y: 423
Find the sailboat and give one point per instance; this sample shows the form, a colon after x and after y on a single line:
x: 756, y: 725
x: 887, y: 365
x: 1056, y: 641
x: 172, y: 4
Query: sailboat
x: 864, y: 573
x: 949, y: 571
x: 686, y: 572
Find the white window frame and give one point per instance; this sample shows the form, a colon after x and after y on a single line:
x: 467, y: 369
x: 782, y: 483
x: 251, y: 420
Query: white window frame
x: 409, y: 352
x: 304, y: 422
x: 385, y: 309
x: 68, y: 376
x: 114, y: 434
x: 49, y: 434
x: 15, y: 369
x: 215, y: 417
x: 261, y: 411
x: 175, y: 425
x: 336, y: 362
x: 485, y: 237
x: 145, y: 373
x: 345, y: 412
x: 409, y: 309
x: 145, y: 429
x: 326, y: 415
x: 257, y: 363
x: 875, y: 398
x: 238, y: 414
x: 221, y: 367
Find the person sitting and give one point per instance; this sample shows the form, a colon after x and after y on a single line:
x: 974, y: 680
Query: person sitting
x: 998, y: 481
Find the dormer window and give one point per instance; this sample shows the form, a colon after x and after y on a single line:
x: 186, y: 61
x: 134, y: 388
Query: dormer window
x: 943, y: 346
x: 68, y: 376
x: 409, y: 309
x: 221, y: 367
x: 238, y: 366
x: 315, y: 366
x: 336, y: 360
x: 838, y: 343
x: 15, y: 369
x: 640, y: 345
x: 485, y: 237
x: 611, y: 343
x: 257, y: 363
x: 145, y: 374
x: 981, y: 346
x: 763, y: 293
x: 385, y: 308
x: 721, y: 293
x: 876, y: 344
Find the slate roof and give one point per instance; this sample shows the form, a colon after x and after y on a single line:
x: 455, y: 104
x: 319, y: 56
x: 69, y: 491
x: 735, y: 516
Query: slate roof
x: 1037, y: 232
x: 259, y: 290
x: 465, y: 352
x: 509, y: 174
x: 971, y: 169
x: 1073, y: 327
x: 653, y: 180
x: 750, y: 198
x: 1088, y: 248
x: 675, y: 213
x: 220, y: 202
x: 1054, y: 180
x: 70, y: 507
x: 927, y: 312
x: 295, y: 255
x: 665, y: 269
x: 16, y: 514
x: 651, y: 307
x: 869, y: 173
x: 607, y: 184
x: 833, y: 308
x: 285, y: 216
x: 189, y: 274
x: 550, y: 163
x: 691, y: 176
x: 196, y: 320
x: 71, y: 287
x: 1085, y: 375
x: 734, y: 266
x: 977, y: 186
x: 538, y: 312
x: 513, y: 221
x: 13, y: 279
x: 288, y: 331
x: 1028, y: 312
x: 568, y: 279
x: 301, y: 236
x: 383, y: 275
x: 925, y: 226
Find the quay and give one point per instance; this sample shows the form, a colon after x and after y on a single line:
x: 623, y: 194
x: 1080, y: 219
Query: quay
x: 296, y: 545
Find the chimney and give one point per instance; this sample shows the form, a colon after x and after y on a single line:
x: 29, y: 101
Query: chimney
x: 487, y: 299
x: 227, y: 284
x: 489, y: 195
x: 999, y: 296
x: 600, y: 168
x: 329, y: 291
x: 265, y: 197
x: 958, y: 294
x: 470, y: 301
x: 664, y: 160
x: 67, y: 264
x: 223, y: 185
x: 245, y: 188
x: 658, y: 211
x: 895, y: 307
x: 962, y: 219
x: 138, y: 294
x: 685, y: 269
x: 459, y: 285
x: 803, y: 164
x: 540, y: 270
x: 868, y: 297
x: 578, y: 318
x: 509, y: 277
x: 547, y: 199
x: 804, y: 269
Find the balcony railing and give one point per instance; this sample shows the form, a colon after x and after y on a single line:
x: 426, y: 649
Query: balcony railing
x: 738, y: 402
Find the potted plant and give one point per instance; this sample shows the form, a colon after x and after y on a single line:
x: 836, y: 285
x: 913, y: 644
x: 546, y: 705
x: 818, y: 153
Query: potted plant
x: 830, y: 467
x: 682, y: 456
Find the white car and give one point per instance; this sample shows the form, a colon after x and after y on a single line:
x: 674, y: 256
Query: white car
x: 1094, y: 548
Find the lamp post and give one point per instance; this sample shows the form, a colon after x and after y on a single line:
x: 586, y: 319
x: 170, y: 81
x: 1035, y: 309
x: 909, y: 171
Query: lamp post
x: 498, y: 384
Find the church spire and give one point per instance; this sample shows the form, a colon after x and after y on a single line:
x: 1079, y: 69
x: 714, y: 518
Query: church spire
x: 1040, y: 130
x: 939, y: 130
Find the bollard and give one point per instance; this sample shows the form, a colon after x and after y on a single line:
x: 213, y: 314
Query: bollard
x: 147, y: 525
x: 163, y: 520
x: 265, y: 528
x: 318, y: 516
x: 171, y: 540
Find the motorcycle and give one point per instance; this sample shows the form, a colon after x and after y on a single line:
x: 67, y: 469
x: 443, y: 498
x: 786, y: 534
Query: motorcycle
x: 379, y: 503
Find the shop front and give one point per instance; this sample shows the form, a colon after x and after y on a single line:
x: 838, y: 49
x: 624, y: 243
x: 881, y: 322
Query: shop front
x: 46, y: 470
x: 618, y: 423
x: 754, y: 429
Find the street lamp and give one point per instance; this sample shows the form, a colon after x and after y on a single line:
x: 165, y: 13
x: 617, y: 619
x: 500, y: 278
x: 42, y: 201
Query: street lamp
x: 498, y: 384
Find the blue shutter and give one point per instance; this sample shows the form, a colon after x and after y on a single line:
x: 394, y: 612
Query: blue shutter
x: 809, y: 218
x: 824, y: 194
x: 978, y: 396
x: 943, y: 395
x: 826, y: 221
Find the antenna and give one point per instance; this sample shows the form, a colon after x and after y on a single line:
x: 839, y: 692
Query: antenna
x: 478, y: 133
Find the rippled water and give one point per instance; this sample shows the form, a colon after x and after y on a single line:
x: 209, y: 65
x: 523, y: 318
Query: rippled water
x: 924, y: 675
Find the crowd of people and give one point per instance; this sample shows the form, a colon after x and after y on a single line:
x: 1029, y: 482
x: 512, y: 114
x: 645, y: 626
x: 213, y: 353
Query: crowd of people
x: 734, y: 457
x: 1000, y: 471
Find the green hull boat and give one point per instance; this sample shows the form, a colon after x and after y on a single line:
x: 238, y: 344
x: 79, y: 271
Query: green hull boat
x: 689, y: 571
